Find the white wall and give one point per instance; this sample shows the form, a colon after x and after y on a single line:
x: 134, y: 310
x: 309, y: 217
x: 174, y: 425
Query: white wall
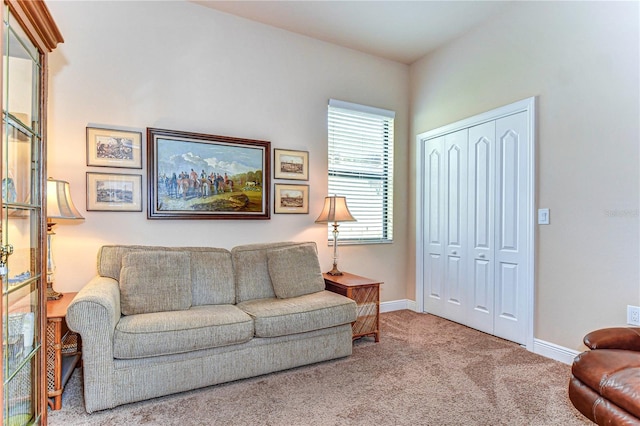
x: 581, y: 60
x: 180, y: 66
x: 176, y: 65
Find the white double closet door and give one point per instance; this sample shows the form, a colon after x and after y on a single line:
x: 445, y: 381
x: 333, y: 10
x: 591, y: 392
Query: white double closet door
x: 475, y: 226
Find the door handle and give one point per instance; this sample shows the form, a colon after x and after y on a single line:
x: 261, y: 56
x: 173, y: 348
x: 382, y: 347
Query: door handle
x: 481, y: 256
x: 5, y: 252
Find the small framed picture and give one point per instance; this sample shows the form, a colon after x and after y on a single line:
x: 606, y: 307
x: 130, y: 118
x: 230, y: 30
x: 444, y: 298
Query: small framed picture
x: 113, y: 192
x: 290, y: 164
x: 114, y: 148
x: 291, y: 199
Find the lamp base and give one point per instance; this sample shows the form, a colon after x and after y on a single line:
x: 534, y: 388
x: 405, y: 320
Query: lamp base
x: 334, y: 272
x: 51, y: 293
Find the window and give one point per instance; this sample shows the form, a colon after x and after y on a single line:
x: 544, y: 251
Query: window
x: 361, y: 169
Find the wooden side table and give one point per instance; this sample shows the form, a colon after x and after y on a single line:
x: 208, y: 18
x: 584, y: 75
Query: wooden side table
x: 366, y: 293
x: 63, y: 349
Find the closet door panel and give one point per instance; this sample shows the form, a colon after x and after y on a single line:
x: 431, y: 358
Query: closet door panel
x: 433, y: 220
x: 481, y: 191
x: 454, y: 281
x: 434, y: 195
x: 512, y: 176
x: 445, y: 219
x: 480, y: 226
x: 507, y: 291
x: 482, y: 282
x: 508, y: 197
x: 455, y: 190
x: 434, y: 272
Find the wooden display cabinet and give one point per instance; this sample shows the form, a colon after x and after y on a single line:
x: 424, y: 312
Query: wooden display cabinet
x: 28, y: 35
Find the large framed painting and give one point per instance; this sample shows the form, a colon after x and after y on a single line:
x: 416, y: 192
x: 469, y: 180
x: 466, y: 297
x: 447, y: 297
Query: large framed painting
x: 200, y: 176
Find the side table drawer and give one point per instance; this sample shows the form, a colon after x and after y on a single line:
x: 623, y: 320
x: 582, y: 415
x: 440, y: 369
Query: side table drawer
x: 336, y: 289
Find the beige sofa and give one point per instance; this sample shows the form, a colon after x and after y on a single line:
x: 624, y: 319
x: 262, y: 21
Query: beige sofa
x: 160, y: 320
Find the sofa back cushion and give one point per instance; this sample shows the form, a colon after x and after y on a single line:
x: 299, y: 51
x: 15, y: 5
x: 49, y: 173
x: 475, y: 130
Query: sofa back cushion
x: 295, y: 271
x: 110, y: 259
x: 155, y: 282
x: 252, y: 271
x: 212, y: 278
x: 212, y: 281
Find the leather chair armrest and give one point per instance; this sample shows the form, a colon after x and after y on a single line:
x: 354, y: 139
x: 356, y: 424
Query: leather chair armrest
x: 614, y: 338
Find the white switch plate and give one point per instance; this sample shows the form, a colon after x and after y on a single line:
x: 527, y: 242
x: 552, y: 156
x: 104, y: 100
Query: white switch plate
x: 633, y: 315
x: 543, y: 216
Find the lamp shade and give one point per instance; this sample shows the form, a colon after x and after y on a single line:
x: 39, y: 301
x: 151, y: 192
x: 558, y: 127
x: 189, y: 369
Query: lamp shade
x: 59, y: 202
x: 335, y: 210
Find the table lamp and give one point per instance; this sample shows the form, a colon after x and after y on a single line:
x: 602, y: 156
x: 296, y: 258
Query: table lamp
x: 59, y: 206
x: 335, y: 210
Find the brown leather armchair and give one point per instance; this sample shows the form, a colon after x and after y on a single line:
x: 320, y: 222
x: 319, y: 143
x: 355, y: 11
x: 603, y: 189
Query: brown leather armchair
x: 605, y: 381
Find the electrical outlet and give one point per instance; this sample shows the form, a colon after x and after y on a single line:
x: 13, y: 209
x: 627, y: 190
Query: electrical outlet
x: 633, y: 315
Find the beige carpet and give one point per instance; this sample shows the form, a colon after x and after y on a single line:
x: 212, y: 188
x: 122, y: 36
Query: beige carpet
x: 424, y: 371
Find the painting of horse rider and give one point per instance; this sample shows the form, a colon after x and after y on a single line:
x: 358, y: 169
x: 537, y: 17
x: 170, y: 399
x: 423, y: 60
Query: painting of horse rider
x: 198, y: 176
x: 114, y: 148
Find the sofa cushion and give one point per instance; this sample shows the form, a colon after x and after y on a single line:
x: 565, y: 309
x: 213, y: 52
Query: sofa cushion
x: 295, y: 271
x: 212, y: 278
x: 163, y: 333
x: 280, y: 317
x: 251, y: 269
x: 155, y: 282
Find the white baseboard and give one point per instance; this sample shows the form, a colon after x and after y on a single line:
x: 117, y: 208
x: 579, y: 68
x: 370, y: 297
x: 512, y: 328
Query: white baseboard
x: 553, y: 351
x: 398, y: 305
x: 540, y: 347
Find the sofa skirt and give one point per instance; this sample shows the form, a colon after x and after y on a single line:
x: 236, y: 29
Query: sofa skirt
x: 141, y: 379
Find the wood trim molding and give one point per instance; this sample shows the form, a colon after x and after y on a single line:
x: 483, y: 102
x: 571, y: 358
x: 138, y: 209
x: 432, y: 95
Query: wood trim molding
x: 35, y: 17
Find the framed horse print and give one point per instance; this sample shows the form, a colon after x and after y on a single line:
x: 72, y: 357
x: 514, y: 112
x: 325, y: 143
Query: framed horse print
x: 291, y: 164
x: 114, y: 148
x: 200, y: 176
x: 291, y: 198
x: 114, y: 192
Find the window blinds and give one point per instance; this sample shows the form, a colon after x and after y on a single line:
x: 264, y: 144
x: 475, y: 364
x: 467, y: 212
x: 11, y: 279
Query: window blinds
x: 360, y: 140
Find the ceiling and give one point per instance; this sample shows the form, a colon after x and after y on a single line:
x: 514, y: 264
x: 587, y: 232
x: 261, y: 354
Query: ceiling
x: 402, y: 31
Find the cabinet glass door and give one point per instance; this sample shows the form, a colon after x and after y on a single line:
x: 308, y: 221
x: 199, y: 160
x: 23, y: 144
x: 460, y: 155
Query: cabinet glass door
x: 21, y: 222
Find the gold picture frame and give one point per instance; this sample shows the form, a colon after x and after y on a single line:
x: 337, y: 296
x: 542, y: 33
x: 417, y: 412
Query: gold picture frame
x: 114, y: 192
x: 291, y: 199
x: 114, y: 148
x: 290, y: 164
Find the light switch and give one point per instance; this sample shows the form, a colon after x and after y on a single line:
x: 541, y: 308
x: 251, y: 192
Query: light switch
x: 543, y: 216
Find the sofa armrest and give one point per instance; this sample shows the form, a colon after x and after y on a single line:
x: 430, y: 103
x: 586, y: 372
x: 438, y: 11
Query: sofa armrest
x: 614, y: 338
x: 96, y: 306
x: 93, y: 314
